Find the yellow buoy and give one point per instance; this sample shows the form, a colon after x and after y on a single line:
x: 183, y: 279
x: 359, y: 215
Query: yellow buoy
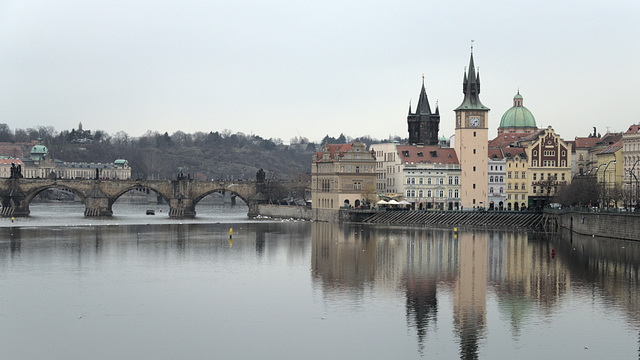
x: 230, y: 231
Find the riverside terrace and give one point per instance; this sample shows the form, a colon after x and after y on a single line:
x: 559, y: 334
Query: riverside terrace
x: 98, y: 195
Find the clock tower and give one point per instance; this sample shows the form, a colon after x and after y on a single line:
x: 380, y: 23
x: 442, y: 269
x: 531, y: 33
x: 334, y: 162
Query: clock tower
x: 471, y: 139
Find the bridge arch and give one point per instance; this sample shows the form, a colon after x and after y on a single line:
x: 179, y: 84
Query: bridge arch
x: 124, y: 190
x: 35, y: 191
x: 197, y: 199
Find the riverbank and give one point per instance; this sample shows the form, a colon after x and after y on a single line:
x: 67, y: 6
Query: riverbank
x: 622, y: 226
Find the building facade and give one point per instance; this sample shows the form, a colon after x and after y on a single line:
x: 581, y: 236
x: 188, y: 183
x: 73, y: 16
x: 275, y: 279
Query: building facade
x: 343, y: 175
x: 389, y: 177
x: 431, y: 177
x: 631, y: 164
x: 549, y: 165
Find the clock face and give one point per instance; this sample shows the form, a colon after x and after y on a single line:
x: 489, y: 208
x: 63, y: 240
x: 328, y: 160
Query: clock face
x: 474, y: 121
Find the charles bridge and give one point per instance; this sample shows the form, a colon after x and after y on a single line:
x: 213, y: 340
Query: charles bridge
x: 98, y: 195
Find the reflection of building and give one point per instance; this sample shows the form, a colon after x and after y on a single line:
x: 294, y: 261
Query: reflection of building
x: 470, y: 292
x: 41, y: 165
x: 342, y: 175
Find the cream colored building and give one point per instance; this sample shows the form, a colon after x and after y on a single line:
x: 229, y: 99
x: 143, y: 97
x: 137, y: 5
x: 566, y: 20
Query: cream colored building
x: 610, y: 175
x: 342, y: 175
x: 389, y: 177
x: 41, y: 165
x: 471, y: 139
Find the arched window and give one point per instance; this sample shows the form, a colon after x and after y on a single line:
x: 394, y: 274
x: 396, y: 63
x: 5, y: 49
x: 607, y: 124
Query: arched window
x: 441, y: 181
x: 421, y: 181
x: 456, y: 194
x: 420, y: 193
x: 456, y: 181
x: 428, y: 193
x: 428, y: 181
x: 450, y: 193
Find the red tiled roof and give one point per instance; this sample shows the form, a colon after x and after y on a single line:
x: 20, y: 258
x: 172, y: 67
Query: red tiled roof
x: 586, y: 142
x: 511, y: 151
x: 9, y: 161
x: 503, y: 140
x: 612, y: 148
x: 495, y: 153
x: 633, y: 129
x: 418, y: 154
x: 333, y: 148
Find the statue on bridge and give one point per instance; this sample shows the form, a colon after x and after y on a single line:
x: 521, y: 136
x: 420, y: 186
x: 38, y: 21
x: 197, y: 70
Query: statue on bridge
x: 260, y: 176
x: 16, y: 171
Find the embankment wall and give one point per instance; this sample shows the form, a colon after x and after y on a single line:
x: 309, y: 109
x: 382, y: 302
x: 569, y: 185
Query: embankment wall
x: 616, y: 226
x: 286, y: 212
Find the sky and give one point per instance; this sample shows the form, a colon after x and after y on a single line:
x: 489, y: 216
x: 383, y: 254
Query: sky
x: 284, y: 69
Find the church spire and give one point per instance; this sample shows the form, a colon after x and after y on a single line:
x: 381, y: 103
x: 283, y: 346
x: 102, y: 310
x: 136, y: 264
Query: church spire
x: 423, y: 102
x: 471, y: 88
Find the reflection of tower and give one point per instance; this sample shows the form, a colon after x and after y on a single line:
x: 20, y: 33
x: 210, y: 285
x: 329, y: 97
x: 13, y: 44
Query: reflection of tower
x: 470, y: 292
x: 429, y: 261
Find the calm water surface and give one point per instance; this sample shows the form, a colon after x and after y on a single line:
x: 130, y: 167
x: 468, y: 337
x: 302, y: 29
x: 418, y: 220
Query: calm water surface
x: 147, y: 287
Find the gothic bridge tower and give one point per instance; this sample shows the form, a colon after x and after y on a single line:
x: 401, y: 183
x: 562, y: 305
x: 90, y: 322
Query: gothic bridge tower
x: 423, y: 124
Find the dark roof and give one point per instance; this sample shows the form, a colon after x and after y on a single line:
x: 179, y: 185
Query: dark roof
x: 419, y: 154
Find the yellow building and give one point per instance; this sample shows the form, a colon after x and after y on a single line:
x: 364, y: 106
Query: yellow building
x: 549, y: 165
x: 610, y: 175
x: 516, y: 178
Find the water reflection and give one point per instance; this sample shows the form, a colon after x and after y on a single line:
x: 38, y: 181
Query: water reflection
x: 445, y: 294
x: 530, y: 274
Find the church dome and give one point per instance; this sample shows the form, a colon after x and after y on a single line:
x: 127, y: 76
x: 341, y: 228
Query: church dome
x: 518, y: 117
x: 39, y: 151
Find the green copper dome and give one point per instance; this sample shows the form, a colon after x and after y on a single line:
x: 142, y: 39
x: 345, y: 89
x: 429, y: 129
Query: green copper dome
x: 518, y: 116
x: 39, y: 151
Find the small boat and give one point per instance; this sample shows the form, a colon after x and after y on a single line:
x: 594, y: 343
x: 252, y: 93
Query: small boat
x: 151, y: 212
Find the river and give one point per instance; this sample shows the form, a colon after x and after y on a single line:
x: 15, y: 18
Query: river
x: 147, y: 287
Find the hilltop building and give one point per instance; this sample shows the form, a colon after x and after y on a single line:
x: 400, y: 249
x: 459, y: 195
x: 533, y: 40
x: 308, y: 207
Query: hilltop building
x: 40, y: 164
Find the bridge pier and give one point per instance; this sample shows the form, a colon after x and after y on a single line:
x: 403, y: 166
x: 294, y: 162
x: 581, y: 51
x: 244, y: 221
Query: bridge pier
x: 182, y: 208
x: 14, y: 204
x: 97, y: 204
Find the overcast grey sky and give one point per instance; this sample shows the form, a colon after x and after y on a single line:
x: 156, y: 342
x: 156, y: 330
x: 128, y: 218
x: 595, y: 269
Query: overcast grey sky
x: 281, y: 69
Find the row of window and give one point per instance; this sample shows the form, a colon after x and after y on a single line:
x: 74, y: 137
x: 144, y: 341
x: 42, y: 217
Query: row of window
x: 436, y: 193
x: 453, y: 180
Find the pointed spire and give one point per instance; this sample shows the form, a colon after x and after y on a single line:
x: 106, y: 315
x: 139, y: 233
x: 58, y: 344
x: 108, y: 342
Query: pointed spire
x: 409, y: 106
x: 423, y: 101
x: 471, y: 88
x: 437, y: 108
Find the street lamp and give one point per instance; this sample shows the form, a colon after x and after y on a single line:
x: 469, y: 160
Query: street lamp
x: 631, y: 173
x: 604, y: 179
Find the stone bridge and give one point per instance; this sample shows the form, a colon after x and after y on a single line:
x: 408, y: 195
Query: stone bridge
x: 98, y: 196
